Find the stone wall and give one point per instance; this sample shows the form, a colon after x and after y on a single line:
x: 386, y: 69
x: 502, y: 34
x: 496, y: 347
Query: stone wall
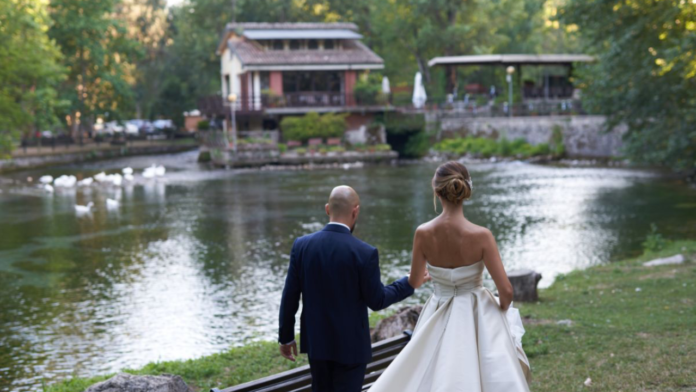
x: 583, y: 136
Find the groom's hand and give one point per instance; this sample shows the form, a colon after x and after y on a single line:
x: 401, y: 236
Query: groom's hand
x: 289, y: 351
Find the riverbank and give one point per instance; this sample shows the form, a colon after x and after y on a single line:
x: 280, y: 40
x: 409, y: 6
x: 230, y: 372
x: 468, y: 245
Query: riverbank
x: 35, y: 158
x: 630, y: 329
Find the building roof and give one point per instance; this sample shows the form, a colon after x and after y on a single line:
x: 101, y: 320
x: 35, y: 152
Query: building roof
x: 292, y: 26
x: 301, y: 34
x: 512, y: 59
x: 352, y: 55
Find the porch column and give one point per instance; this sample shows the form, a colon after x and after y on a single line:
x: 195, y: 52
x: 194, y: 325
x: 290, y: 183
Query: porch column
x: 276, y: 82
x: 350, y: 79
x: 257, y: 90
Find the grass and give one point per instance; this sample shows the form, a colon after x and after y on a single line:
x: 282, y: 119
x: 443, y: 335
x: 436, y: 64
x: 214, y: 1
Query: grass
x: 633, y: 327
x: 622, y: 338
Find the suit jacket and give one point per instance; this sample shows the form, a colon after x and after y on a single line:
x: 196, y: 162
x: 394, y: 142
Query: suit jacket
x: 338, y: 278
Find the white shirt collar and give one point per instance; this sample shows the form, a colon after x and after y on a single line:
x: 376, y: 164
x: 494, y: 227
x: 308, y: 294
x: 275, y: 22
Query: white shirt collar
x: 340, y: 224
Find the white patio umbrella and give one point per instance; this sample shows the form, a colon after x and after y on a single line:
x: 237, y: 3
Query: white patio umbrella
x: 419, y: 95
x: 385, y: 85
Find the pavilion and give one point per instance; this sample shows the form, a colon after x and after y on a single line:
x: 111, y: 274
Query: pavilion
x: 552, y: 86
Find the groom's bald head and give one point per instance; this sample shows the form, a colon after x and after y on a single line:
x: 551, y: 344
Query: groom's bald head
x: 344, y: 204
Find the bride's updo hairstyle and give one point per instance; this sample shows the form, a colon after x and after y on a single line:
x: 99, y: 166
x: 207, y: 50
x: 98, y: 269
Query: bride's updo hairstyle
x: 452, y: 182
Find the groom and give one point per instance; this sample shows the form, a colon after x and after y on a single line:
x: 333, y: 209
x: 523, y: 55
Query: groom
x: 338, y: 278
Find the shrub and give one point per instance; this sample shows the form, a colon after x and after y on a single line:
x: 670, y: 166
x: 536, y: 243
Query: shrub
x: 654, y: 241
x: 282, y: 147
x: 368, y: 89
x: 383, y: 147
x: 323, y: 150
x: 337, y: 149
x: 484, y: 147
x: 203, y: 125
x: 312, y: 125
x: 417, y: 145
x: 557, y: 146
x: 301, y: 151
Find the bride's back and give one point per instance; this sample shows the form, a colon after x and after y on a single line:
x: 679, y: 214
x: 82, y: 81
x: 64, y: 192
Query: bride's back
x: 452, y: 241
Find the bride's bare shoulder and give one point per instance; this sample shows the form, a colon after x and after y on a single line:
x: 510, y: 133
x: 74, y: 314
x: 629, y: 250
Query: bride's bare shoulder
x: 426, y: 228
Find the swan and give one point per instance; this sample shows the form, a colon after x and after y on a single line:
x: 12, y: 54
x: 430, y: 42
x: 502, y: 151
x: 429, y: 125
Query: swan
x: 127, y: 170
x: 65, y: 181
x: 149, y: 173
x: 116, y: 179
x: 84, y: 209
x: 111, y: 204
x: 100, y: 177
x: 128, y: 177
x: 46, y: 179
x: 48, y: 188
x: 160, y: 170
x: 85, y: 182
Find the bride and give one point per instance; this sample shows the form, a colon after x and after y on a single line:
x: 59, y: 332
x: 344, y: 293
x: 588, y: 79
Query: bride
x: 463, y: 339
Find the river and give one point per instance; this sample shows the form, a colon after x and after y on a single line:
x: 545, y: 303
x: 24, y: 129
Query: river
x: 194, y: 262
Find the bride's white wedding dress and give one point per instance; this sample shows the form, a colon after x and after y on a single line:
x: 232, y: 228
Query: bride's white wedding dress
x: 463, y: 341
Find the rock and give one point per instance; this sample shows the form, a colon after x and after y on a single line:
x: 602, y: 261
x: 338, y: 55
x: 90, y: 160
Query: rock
x: 124, y: 382
x: 524, y: 284
x: 565, y: 323
x: 676, y: 259
x: 395, y: 325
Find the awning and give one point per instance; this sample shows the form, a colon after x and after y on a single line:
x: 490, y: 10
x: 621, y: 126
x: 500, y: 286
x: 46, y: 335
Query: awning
x: 301, y: 34
x: 512, y: 59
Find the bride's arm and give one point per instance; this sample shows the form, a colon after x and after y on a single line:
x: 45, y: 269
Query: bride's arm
x: 491, y: 257
x: 418, y: 274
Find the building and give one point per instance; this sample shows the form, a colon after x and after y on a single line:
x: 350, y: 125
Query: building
x: 281, y: 69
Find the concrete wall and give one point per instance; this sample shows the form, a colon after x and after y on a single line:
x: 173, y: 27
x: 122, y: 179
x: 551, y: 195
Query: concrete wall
x: 583, y: 136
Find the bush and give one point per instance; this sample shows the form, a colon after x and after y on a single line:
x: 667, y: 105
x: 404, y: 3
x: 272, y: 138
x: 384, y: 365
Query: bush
x: 417, y: 145
x: 282, y: 147
x: 654, y: 241
x: 368, y: 90
x: 203, y: 125
x: 312, y: 125
x: 383, y: 147
x: 337, y: 149
x: 557, y: 146
x: 301, y: 151
x: 484, y: 147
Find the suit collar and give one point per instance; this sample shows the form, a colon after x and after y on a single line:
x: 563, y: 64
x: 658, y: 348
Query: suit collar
x: 337, y: 229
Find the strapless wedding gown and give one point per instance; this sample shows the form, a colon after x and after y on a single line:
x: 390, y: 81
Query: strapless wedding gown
x: 463, y: 341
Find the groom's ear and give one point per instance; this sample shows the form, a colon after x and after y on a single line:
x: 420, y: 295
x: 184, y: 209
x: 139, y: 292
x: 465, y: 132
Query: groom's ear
x: 326, y: 207
x: 356, y: 211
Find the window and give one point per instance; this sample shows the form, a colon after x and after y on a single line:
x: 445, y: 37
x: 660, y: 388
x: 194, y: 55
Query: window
x: 278, y: 44
x: 294, y: 44
x: 289, y: 82
x: 228, y: 88
x: 265, y: 81
x: 312, y: 44
x: 328, y: 44
x: 295, y: 82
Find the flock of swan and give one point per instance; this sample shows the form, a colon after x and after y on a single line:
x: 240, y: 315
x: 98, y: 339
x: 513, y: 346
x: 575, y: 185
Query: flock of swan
x: 49, y: 184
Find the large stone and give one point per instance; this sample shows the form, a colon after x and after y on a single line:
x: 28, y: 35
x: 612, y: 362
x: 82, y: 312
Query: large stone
x: 405, y: 318
x: 676, y: 259
x: 124, y: 382
x: 524, y: 284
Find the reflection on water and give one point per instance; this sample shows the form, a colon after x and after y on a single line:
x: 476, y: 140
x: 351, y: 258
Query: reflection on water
x: 194, y: 262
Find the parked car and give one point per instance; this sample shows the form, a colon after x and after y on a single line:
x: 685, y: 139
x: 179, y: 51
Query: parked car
x: 163, y: 125
x: 112, y: 127
x: 145, y: 127
x: 131, y: 129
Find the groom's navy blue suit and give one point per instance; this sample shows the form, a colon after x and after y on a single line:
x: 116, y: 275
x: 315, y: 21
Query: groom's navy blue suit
x: 338, y: 277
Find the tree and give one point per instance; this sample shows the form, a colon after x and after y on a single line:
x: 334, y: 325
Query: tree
x: 146, y: 23
x: 99, y: 56
x: 29, y: 71
x: 645, y: 74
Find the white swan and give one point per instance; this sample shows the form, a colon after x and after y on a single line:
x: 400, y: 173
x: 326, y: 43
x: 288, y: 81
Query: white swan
x: 65, y: 181
x: 127, y: 170
x: 111, y: 204
x: 128, y: 177
x: 46, y: 179
x: 48, y: 188
x: 160, y: 170
x: 84, y: 209
x: 85, y: 182
x: 100, y: 177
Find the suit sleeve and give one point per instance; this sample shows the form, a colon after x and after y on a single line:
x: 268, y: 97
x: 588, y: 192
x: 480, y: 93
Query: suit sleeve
x: 290, y: 301
x: 376, y: 295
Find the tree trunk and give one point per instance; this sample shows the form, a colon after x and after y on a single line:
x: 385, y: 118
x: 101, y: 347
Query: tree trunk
x: 524, y: 284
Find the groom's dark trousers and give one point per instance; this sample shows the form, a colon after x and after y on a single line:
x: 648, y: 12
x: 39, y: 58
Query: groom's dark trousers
x: 337, y: 276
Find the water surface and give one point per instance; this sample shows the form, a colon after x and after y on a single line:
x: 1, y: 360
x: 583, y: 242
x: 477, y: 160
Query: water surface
x: 194, y: 262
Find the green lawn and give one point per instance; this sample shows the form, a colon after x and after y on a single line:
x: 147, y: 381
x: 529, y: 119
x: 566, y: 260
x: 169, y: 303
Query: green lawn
x: 622, y: 338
